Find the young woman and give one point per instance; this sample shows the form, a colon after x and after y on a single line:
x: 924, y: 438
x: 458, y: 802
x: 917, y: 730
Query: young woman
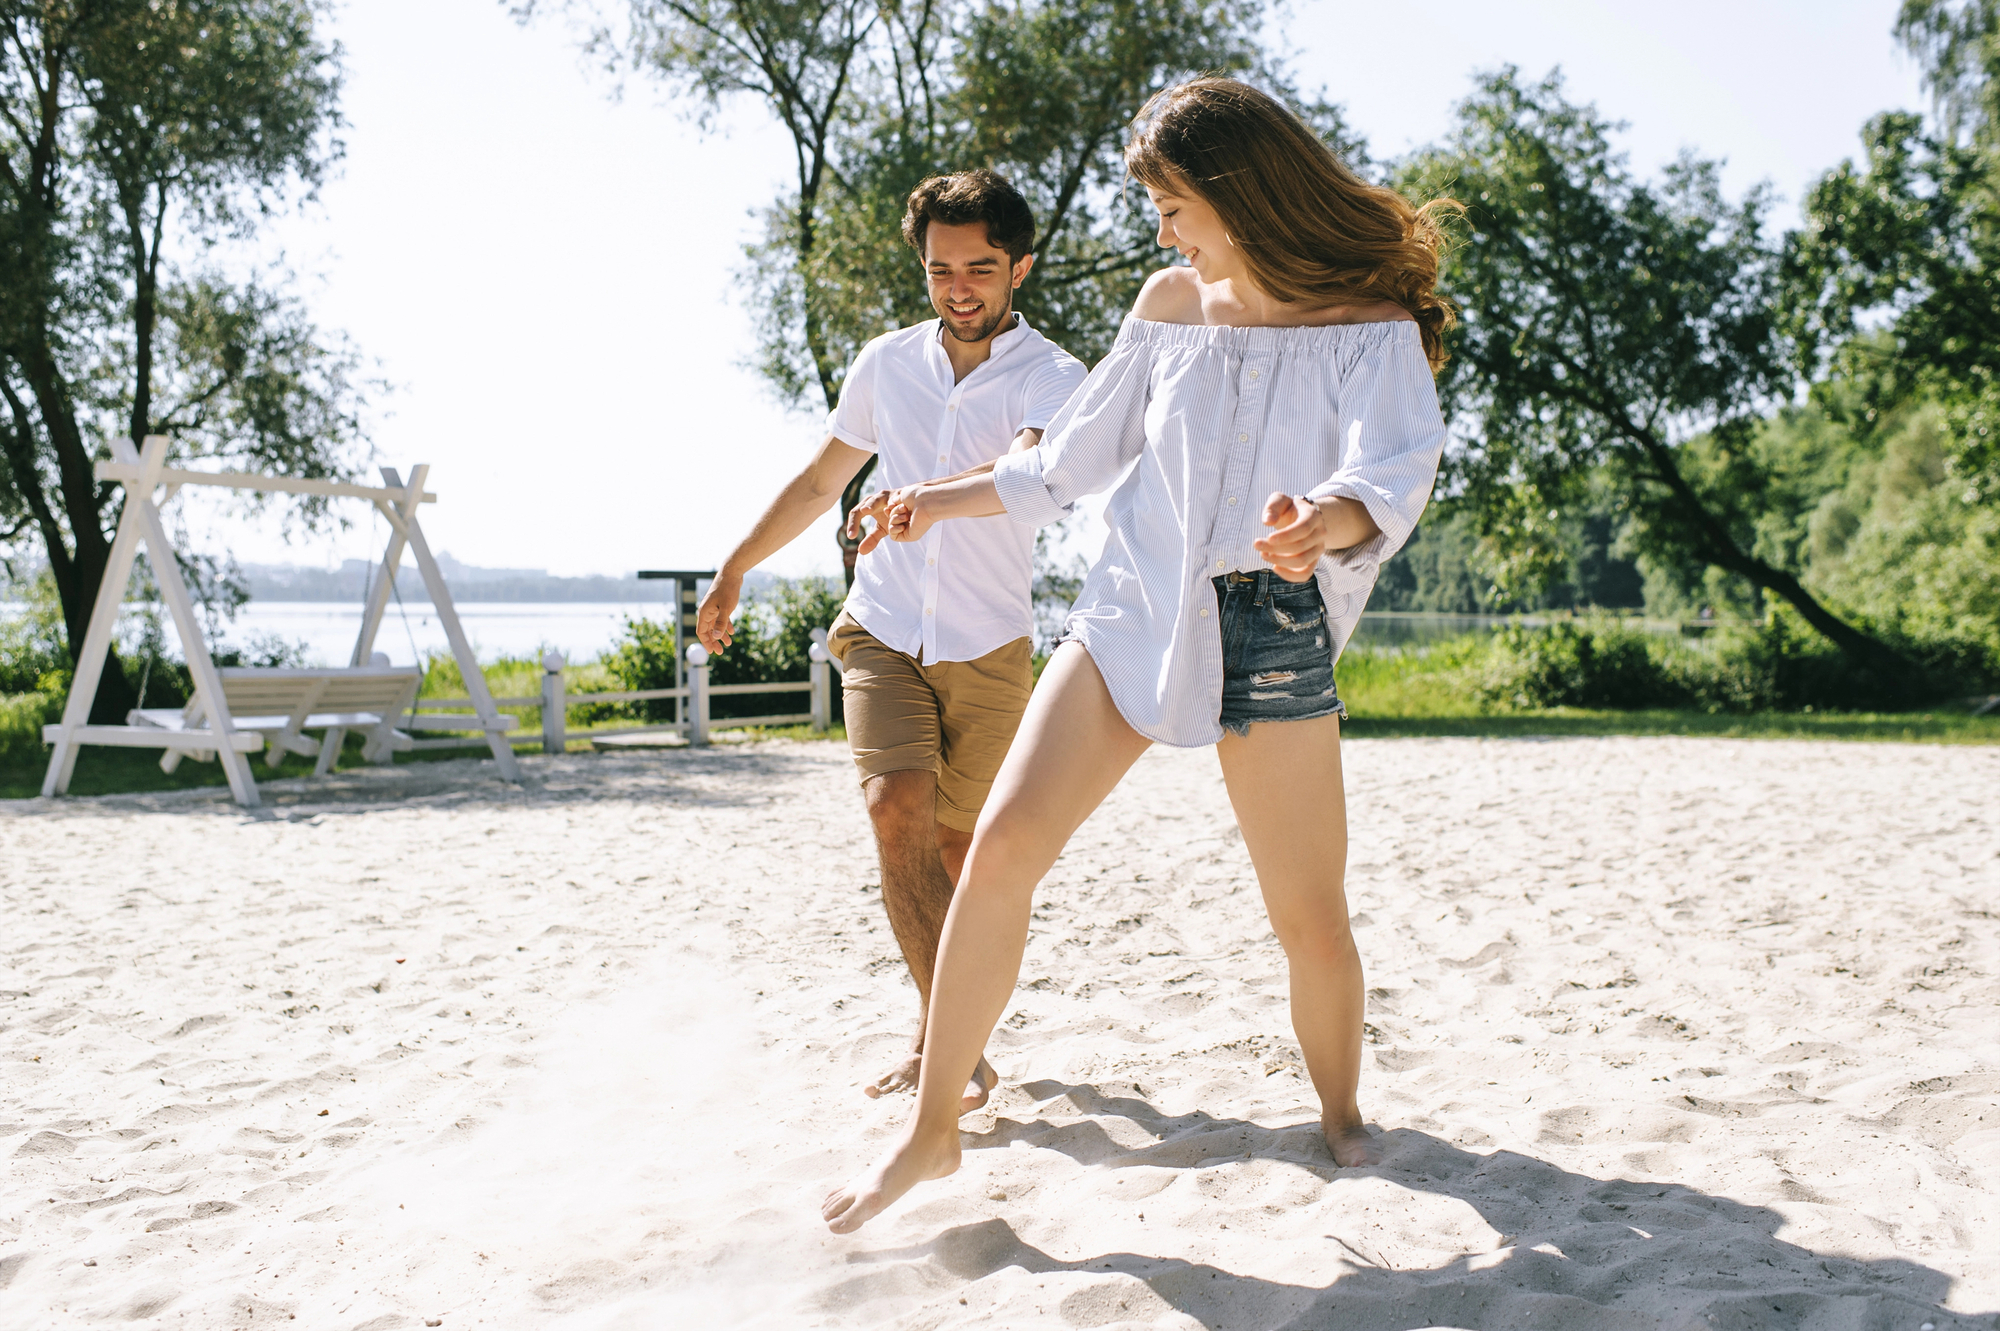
x: 1286, y: 371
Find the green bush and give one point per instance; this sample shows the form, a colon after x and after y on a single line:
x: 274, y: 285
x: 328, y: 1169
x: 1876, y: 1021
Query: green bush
x: 1578, y: 664
x: 32, y: 652
x: 22, y: 716
x: 773, y: 634
x: 1780, y: 664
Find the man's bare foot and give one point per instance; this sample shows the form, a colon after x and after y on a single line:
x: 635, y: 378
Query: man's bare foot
x: 984, y: 1079
x: 903, y: 1077
x: 1352, y: 1146
x: 909, y: 1163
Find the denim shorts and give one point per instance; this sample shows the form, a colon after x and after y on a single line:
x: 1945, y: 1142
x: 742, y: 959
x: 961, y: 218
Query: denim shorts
x: 1276, y: 662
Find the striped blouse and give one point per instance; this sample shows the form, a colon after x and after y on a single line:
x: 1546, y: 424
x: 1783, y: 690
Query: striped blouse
x: 1218, y: 418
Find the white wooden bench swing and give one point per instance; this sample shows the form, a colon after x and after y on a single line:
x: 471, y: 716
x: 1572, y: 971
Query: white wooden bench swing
x: 237, y: 711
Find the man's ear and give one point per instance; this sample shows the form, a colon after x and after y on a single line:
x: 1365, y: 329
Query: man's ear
x: 1021, y: 269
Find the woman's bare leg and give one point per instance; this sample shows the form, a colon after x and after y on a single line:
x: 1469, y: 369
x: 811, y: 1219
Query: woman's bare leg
x: 1071, y: 750
x: 1284, y: 782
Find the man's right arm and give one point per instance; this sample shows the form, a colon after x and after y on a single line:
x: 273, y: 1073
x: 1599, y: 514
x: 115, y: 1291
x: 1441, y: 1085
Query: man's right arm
x: 805, y: 497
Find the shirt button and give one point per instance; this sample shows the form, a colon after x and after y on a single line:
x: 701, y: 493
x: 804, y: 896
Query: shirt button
x: 1204, y: 612
x: 1232, y: 501
x: 953, y: 406
x: 1253, y: 374
x: 1220, y: 564
x: 1242, y: 438
x: 940, y: 457
x: 930, y: 561
x: 929, y: 611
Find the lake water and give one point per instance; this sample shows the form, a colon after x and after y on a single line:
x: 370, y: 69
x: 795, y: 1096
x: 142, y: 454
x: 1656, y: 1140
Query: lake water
x: 578, y: 629
x: 583, y: 629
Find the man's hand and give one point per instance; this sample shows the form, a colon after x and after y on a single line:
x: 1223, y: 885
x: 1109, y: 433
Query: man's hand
x: 875, y: 506
x: 1293, y: 550
x: 712, y: 623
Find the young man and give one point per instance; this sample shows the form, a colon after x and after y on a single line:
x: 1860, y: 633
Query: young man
x: 934, y: 640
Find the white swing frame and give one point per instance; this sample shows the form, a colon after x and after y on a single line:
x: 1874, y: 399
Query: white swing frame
x: 142, y: 472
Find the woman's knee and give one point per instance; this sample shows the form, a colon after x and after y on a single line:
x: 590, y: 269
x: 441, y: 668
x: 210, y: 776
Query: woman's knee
x: 1317, y: 938
x: 1008, y: 847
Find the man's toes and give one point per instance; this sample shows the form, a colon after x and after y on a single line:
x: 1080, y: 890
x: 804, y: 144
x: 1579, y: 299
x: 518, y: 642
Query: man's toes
x: 1354, y: 1148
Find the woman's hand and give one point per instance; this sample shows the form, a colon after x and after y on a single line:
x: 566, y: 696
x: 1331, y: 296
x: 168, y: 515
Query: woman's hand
x: 1293, y: 550
x: 910, y: 517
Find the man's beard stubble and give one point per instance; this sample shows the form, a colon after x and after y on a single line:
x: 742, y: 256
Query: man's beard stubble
x: 981, y: 331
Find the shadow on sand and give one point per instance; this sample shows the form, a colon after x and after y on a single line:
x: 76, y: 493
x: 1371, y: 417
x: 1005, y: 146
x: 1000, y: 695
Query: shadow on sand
x: 1702, y: 1262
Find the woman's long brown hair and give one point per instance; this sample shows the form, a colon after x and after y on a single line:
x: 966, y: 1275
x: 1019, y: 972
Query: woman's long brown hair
x: 1311, y: 231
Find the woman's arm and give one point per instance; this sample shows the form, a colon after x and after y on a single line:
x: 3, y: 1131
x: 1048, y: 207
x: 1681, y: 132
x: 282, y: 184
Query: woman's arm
x: 919, y: 507
x: 879, y: 505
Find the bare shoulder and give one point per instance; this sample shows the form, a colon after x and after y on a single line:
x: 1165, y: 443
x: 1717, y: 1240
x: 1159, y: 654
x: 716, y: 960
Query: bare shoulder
x: 1170, y: 296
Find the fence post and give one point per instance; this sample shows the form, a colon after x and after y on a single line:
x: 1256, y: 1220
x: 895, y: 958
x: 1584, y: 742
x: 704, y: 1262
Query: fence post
x: 554, y: 710
x: 697, y: 699
x: 818, y: 672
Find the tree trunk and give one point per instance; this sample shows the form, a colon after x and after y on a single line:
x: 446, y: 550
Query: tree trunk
x: 850, y: 550
x: 77, y: 579
x: 1876, y: 659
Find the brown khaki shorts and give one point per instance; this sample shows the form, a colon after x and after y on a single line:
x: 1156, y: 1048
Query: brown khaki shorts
x: 954, y: 718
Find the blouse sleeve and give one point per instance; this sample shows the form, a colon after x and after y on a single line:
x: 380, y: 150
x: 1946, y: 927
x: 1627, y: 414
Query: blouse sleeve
x: 1392, y: 437
x: 1098, y: 431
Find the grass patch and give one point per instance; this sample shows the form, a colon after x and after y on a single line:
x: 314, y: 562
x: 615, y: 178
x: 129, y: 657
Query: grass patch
x: 1893, y: 727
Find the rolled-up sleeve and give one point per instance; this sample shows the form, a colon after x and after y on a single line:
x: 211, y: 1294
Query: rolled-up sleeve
x: 852, y: 420
x: 1098, y: 431
x: 1391, y: 441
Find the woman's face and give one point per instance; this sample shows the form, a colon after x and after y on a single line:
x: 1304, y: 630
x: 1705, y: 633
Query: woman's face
x: 1190, y: 225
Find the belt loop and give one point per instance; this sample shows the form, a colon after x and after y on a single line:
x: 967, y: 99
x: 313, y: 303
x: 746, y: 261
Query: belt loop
x: 1263, y: 586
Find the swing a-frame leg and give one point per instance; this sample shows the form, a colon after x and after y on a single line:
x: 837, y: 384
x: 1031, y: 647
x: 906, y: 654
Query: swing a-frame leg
x: 140, y: 521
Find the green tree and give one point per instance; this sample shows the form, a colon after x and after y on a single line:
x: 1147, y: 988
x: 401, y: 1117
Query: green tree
x: 877, y: 96
x: 1912, y: 233
x: 1606, y: 323
x: 133, y: 131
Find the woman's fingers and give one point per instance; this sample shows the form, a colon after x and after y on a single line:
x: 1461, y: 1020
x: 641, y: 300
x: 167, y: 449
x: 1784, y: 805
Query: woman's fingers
x: 1295, y: 547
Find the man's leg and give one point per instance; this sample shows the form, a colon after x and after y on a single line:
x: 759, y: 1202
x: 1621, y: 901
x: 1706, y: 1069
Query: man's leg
x: 893, y: 728
x: 919, y: 857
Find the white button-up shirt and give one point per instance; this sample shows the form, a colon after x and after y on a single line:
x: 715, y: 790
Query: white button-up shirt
x: 1220, y: 418
x: 965, y: 588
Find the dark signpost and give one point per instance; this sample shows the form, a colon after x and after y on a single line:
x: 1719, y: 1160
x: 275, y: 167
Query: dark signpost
x: 684, y: 580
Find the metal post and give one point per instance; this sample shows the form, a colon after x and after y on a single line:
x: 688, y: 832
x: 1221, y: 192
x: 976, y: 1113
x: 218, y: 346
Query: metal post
x: 818, y: 672
x: 697, y: 686
x: 554, y: 711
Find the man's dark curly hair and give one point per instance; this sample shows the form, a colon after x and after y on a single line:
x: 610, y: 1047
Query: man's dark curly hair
x: 972, y: 196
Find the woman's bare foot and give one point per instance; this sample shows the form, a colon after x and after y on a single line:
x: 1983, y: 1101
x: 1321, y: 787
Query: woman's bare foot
x: 909, y: 1163
x: 1351, y: 1144
x: 903, y: 1077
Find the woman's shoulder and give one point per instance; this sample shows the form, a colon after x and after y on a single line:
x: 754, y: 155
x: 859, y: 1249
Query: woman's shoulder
x: 1171, y: 296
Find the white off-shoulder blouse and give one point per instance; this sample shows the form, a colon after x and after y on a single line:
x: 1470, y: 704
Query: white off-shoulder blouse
x: 1218, y: 419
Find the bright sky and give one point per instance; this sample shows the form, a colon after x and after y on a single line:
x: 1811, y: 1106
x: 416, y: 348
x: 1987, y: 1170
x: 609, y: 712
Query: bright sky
x: 545, y: 273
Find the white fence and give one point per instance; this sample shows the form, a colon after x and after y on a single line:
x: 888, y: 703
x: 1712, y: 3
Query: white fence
x: 555, y: 702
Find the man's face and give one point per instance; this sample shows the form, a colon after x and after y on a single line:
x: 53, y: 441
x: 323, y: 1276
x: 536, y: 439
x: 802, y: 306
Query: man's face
x: 971, y: 282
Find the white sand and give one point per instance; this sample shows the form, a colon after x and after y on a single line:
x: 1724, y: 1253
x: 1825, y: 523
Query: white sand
x: 1663, y: 1033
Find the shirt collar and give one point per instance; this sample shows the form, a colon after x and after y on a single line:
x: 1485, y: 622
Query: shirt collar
x: 1003, y: 343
